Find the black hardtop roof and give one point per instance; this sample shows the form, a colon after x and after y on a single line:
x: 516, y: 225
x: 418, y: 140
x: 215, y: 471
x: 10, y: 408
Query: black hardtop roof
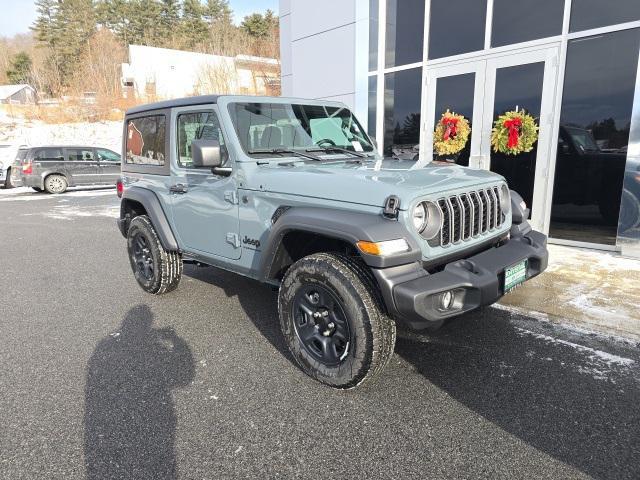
x: 32, y: 147
x: 178, y: 102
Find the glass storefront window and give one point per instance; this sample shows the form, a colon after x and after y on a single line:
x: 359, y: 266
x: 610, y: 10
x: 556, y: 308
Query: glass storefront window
x: 456, y: 26
x: 404, y: 32
x: 455, y: 93
x: 586, y: 14
x: 373, y: 35
x: 518, y: 87
x: 595, y: 119
x: 515, y: 22
x: 371, y: 118
x: 402, y: 113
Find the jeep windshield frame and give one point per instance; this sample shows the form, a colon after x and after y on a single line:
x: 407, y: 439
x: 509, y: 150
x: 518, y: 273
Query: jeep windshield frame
x: 266, y: 129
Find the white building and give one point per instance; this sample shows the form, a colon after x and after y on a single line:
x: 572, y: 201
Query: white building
x: 572, y: 64
x: 17, y: 94
x: 164, y: 73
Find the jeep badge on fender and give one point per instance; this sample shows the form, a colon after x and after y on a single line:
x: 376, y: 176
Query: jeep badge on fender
x: 353, y: 241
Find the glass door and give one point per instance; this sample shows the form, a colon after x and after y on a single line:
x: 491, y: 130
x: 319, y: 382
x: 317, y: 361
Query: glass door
x: 459, y: 89
x: 523, y: 81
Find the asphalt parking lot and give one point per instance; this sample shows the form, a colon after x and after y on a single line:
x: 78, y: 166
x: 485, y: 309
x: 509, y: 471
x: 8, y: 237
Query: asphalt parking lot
x: 100, y: 380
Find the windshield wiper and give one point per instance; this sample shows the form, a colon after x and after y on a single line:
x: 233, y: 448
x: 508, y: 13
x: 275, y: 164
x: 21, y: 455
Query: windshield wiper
x: 338, y: 149
x: 284, y: 151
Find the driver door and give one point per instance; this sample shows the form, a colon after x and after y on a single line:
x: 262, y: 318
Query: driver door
x: 204, y: 206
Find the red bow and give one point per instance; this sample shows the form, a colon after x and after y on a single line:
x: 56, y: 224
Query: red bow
x: 450, y: 125
x: 514, y: 131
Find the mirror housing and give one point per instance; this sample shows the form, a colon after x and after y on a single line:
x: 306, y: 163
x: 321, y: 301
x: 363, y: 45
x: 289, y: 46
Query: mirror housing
x: 206, y: 153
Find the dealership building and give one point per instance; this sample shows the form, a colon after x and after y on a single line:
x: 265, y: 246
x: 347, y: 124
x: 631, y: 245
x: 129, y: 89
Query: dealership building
x: 570, y: 64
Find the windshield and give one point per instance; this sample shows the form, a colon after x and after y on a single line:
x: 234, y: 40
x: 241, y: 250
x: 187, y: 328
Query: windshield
x: 262, y: 127
x: 583, y: 139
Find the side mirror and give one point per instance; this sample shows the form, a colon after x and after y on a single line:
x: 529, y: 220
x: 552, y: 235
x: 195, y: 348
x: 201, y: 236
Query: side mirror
x: 206, y: 153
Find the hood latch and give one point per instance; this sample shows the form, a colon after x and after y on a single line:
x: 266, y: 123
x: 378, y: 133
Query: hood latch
x: 391, y: 206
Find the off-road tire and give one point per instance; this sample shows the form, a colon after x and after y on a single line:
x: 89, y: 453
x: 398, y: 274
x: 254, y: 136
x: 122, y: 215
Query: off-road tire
x: 167, y: 266
x: 7, y: 180
x: 55, y: 184
x: 373, y: 332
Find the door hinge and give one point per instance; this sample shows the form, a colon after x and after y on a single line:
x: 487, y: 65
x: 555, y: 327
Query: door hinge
x: 233, y: 239
x: 231, y: 196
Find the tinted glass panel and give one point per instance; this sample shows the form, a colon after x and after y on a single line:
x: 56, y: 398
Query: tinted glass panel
x: 518, y: 87
x: 48, y: 154
x: 456, y: 95
x: 107, y: 155
x: 79, y: 154
x: 373, y: 92
x: 594, y: 131
x: 197, y: 126
x: 402, y: 113
x: 587, y: 14
x: 456, y: 26
x: 373, y: 34
x: 404, y: 32
x: 543, y: 19
x: 146, y: 140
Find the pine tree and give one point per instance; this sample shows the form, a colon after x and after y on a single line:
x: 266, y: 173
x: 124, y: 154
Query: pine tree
x: 19, y: 69
x: 258, y: 25
x: 115, y: 15
x: 76, y: 23
x: 193, y: 27
x: 217, y: 11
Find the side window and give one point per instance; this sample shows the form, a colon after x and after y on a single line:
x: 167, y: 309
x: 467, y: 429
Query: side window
x: 198, y: 126
x: 79, y: 154
x: 107, y: 155
x: 146, y: 140
x: 48, y: 154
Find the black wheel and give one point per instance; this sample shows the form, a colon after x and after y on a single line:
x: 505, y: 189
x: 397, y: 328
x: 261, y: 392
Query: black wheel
x: 333, y: 321
x: 7, y: 180
x: 156, y: 270
x: 37, y: 189
x: 55, y: 183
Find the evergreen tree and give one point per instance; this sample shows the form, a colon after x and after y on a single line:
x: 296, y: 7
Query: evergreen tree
x: 193, y: 27
x: 76, y: 22
x: 217, y: 11
x: 258, y: 25
x: 169, y: 19
x: 20, y: 69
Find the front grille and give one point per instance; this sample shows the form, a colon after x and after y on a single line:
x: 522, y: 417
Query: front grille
x: 469, y: 215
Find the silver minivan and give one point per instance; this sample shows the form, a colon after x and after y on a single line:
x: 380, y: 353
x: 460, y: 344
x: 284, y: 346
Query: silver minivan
x: 53, y: 168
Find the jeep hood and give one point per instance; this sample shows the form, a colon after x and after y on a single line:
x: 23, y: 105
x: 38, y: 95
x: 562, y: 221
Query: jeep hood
x: 362, y: 183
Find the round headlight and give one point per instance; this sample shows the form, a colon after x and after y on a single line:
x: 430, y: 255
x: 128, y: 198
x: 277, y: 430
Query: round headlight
x: 505, y: 198
x: 419, y: 217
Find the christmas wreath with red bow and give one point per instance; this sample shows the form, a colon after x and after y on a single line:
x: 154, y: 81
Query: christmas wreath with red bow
x: 514, y: 132
x: 451, y: 134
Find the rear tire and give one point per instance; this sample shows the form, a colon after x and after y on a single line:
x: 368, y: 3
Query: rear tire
x: 155, y: 269
x: 333, y: 320
x: 37, y: 189
x: 7, y: 180
x: 55, y: 184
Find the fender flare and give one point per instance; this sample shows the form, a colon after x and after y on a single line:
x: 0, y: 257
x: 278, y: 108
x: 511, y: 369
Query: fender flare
x: 151, y: 204
x: 341, y: 225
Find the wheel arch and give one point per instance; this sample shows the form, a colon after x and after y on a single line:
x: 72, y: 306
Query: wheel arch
x: 141, y: 201
x: 301, y: 231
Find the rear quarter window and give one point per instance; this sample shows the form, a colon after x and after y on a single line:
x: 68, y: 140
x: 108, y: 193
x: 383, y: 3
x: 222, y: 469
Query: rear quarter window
x: 146, y: 140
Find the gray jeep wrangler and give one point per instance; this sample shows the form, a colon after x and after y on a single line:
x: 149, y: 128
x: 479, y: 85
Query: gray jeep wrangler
x: 293, y: 193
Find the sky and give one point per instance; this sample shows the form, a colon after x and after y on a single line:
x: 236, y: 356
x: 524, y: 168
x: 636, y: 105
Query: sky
x: 18, y: 15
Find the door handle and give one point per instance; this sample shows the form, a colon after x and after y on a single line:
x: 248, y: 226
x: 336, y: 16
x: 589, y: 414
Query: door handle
x: 178, y: 188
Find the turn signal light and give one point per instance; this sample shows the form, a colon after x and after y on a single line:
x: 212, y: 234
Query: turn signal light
x: 388, y: 247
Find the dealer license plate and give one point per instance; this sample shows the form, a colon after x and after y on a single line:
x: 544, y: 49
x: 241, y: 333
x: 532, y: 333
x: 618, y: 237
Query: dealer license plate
x: 515, y: 275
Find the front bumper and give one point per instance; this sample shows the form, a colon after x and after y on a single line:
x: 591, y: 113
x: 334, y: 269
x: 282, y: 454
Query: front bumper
x: 413, y: 295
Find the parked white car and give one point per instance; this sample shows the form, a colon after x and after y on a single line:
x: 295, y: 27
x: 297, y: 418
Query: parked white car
x: 8, y: 154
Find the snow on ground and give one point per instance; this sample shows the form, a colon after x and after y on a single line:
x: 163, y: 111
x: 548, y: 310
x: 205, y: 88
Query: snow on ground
x: 35, y: 133
x: 26, y: 194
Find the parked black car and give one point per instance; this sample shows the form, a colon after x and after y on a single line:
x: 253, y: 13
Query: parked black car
x: 53, y: 168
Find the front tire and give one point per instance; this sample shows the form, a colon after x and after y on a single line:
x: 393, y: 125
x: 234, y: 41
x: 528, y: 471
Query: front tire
x: 55, y: 184
x: 333, y: 321
x: 156, y: 270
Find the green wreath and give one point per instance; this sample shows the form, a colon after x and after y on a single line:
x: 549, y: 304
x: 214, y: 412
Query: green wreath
x: 451, y: 134
x: 514, y: 132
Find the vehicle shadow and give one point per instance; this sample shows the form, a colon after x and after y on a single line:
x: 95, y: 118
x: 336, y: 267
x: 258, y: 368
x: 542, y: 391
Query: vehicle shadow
x: 258, y: 301
x: 560, y: 398
x: 130, y: 421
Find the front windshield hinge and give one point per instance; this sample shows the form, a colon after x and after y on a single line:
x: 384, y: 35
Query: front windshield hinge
x: 391, y: 206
